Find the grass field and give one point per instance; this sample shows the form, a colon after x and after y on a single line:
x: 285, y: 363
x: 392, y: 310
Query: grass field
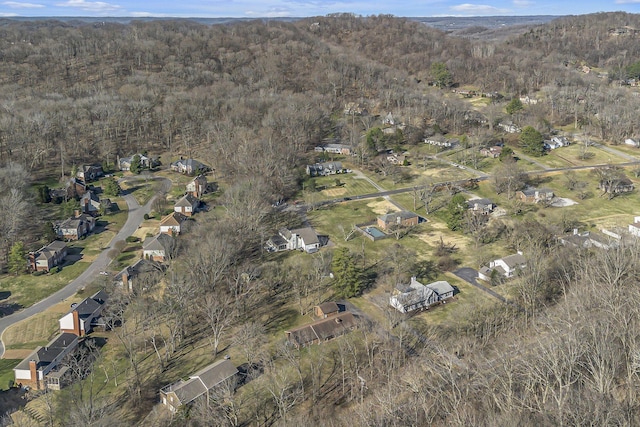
x: 350, y: 185
x: 25, y: 290
x: 6, y: 372
x: 35, y: 331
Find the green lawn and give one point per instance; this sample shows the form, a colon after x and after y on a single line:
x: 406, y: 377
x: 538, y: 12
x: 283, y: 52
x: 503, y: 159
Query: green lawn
x: 569, y: 156
x: 27, y: 289
x: 350, y: 185
x: 6, y: 372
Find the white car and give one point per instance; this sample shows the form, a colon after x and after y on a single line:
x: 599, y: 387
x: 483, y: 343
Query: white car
x: 104, y: 273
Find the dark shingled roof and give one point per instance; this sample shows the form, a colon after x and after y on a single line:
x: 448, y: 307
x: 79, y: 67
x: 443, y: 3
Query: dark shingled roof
x: 45, y: 355
x: 202, y: 381
x: 323, y: 329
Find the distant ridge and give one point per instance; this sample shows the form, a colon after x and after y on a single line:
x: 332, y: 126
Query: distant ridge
x: 444, y: 23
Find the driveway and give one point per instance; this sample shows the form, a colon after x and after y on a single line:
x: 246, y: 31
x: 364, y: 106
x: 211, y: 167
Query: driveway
x: 469, y: 275
x: 134, y: 219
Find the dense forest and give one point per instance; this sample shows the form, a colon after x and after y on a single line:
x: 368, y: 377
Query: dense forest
x: 252, y: 99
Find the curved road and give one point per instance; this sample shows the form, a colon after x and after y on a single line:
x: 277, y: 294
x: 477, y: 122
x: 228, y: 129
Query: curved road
x: 134, y: 219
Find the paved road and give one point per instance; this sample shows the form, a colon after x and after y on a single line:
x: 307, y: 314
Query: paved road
x: 134, y: 219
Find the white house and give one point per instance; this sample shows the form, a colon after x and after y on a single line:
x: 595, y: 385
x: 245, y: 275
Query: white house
x: 304, y: 239
x: 83, y: 316
x: 187, y: 205
x: 43, y: 367
x: 507, y: 266
x: 418, y: 296
x: 158, y: 248
x: 634, y: 228
x: 172, y: 223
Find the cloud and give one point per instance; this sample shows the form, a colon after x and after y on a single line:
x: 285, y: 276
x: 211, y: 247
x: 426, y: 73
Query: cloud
x: 273, y: 12
x: 149, y: 15
x: 90, y: 6
x: 19, y: 5
x: 522, y: 3
x: 7, y: 15
x: 478, y: 9
x: 627, y: 1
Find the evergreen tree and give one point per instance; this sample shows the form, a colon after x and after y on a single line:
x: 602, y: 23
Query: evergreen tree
x: 506, y: 155
x: 17, y: 261
x: 110, y: 187
x: 455, y: 209
x: 347, y: 277
x: 441, y: 75
x: 514, y: 106
x: 136, y: 164
x: 532, y: 141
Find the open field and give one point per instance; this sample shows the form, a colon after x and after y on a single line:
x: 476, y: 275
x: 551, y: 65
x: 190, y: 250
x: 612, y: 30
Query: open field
x: 35, y: 331
x: 569, y: 156
x: 27, y: 289
x: 6, y: 372
x: 350, y: 185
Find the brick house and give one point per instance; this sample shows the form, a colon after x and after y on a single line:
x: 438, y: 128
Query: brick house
x: 84, y: 315
x: 47, y: 257
x: 403, y: 218
x: 198, y: 186
x: 187, y: 205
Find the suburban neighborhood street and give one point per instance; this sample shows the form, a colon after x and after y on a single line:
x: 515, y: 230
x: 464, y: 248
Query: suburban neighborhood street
x: 134, y: 219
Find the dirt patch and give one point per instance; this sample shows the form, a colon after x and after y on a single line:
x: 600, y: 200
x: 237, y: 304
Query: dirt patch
x: 432, y: 238
x: 333, y: 192
x: 17, y: 354
x: 382, y: 207
x: 142, y: 232
x: 561, y: 202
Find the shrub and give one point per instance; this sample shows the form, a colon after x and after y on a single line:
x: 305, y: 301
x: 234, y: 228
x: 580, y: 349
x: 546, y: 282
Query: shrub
x: 132, y: 239
x: 146, y: 216
x: 38, y: 273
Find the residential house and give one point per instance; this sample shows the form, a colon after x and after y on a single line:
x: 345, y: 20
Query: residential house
x: 492, y: 152
x: 304, y: 239
x: 158, y: 248
x: 527, y: 100
x: 622, y: 185
x: 172, y: 223
x: 325, y: 169
x: 355, y: 109
x: 556, y: 142
x: 534, y: 195
x: 183, y: 392
x: 396, y: 159
x: 481, y: 206
x: 85, y: 315
x: 75, y: 227
x: 634, y: 228
x: 89, y: 173
x: 632, y: 142
x: 418, y: 296
x: 438, y: 142
x: 43, y: 368
x: 187, y: 205
x: 47, y: 257
x: 90, y: 203
x: 326, y: 309
x: 509, y: 127
x: 124, y: 163
x: 507, y: 266
x: 402, y: 218
x: 75, y: 188
x: 189, y: 167
x: 589, y: 239
x: 334, y: 149
x: 322, y: 330
x: 127, y: 278
x: 198, y: 186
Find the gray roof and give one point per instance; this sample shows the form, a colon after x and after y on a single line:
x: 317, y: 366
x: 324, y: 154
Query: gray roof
x: 440, y: 287
x: 187, y: 200
x: 391, y: 217
x: 329, y: 307
x: 515, y: 260
x: 323, y: 329
x: 43, y: 356
x: 307, y: 234
x: 479, y: 202
x: 202, y: 381
x: 159, y: 242
x: 92, y: 305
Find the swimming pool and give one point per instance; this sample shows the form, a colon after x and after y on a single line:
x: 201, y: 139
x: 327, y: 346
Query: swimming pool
x: 374, y: 232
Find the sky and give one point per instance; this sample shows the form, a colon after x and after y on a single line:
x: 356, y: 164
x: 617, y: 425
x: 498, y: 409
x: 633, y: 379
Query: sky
x: 304, y: 8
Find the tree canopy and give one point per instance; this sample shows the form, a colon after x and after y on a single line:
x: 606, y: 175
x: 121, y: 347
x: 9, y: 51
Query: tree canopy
x: 531, y: 141
x: 347, y: 277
